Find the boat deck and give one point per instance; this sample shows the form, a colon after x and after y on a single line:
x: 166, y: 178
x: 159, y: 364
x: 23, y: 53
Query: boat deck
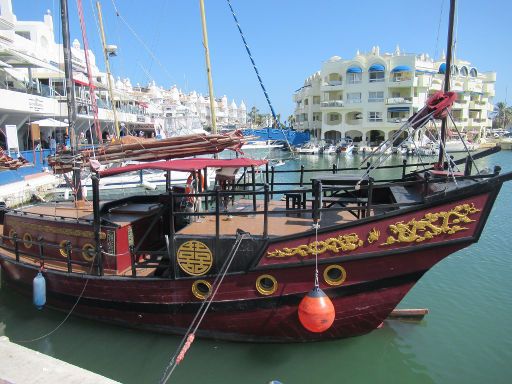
x: 279, y: 224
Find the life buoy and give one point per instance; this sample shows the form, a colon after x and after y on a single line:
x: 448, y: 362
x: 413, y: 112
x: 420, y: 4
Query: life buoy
x: 191, y: 188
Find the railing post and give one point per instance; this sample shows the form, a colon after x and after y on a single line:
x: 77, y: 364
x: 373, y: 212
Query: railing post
x: 317, y: 203
x: 265, y: 211
x: 16, y: 246
x: 404, y: 168
x: 217, y: 211
x: 68, y: 255
x: 468, y: 166
x: 334, y: 168
x: 272, y: 174
x: 132, y: 257
x: 253, y: 188
x: 172, y: 256
x: 97, y: 221
x: 369, y: 195
x: 266, y: 172
x: 301, y: 175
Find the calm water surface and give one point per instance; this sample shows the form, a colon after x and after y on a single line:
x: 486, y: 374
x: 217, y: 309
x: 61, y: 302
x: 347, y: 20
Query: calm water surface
x: 466, y: 338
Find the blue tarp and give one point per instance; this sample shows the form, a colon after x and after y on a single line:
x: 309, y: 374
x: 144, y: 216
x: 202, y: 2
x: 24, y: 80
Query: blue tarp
x: 294, y: 137
x: 7, y: 176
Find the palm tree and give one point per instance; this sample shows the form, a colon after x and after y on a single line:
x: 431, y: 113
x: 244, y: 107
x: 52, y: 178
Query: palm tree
x: 253, y: 115
x: 503, y: 115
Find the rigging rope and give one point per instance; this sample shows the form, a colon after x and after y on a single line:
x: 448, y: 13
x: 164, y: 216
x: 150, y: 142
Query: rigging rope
x: 277, y: 122
x: 254, y: 64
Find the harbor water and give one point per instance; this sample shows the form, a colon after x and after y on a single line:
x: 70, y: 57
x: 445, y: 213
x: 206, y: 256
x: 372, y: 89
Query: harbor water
x: 466, y: 337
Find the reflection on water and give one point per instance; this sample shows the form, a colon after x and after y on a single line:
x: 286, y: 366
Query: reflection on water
x: 464, y: 339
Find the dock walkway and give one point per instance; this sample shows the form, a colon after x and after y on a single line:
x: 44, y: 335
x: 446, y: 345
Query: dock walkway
x: 23, y: 365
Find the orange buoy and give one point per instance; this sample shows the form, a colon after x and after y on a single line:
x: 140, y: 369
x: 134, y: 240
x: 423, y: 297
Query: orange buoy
x: 316, y: 311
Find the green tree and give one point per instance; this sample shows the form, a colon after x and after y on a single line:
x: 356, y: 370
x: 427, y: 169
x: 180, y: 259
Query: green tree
x: 503, y: 116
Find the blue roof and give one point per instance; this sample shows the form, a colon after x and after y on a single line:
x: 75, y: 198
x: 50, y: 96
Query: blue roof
x: 376, y: 68
x: 442, y: 68
x: 402, y: 68
x: 354, y: 70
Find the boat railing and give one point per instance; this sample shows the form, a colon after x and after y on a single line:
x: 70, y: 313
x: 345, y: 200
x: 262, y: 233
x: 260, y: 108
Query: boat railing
x: 66, y: 250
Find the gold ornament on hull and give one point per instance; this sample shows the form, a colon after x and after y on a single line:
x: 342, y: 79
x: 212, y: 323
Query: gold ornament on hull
x: 373, y: 236
x: 345, y: 243
x: 431, y: 225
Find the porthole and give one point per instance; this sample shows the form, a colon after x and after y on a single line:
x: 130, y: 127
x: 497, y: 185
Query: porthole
x: 88, y: 252
x: 335, y: 274
x: 201, y: 289
x: 266, y: 284
x: 27, y: 240
x: 12, y: 232
x: 63, y: 250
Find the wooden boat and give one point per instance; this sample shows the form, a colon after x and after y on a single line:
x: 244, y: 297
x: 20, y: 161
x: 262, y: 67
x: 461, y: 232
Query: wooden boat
x: 251, y: 250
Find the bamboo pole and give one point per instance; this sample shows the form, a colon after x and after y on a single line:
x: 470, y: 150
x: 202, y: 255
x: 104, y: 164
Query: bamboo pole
x: 107, y: 66
x: 208, y: 68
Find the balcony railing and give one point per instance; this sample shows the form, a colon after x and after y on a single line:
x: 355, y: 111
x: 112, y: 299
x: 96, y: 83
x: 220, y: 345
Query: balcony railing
x: 334, y: 82
x: 332, y: 103
x: 353, y: 101
x: 375, y: 99
x: 399, y: 100
x: 397, y: 120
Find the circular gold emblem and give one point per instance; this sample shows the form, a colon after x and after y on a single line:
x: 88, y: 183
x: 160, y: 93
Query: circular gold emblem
x: 195, y: 258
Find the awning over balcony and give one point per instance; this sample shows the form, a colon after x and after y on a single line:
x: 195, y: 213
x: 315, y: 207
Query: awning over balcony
x: 402, y: 68
x: 398, y: 109
x: 354, y: 70
x: 376, y: 68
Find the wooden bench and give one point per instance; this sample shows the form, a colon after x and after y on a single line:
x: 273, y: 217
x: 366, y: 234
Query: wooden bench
x: 328, y: 202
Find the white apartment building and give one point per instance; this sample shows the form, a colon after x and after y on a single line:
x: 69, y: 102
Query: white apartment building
x: 32, y: 87
x: 370, y: 96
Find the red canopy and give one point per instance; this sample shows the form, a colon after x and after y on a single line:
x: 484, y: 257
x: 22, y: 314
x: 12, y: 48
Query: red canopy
x: 185, y: 165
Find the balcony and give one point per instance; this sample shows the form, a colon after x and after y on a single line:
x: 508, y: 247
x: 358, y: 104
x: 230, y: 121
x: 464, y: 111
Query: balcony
x: 332, y: 85
x: 401, y: 82
x: 331, y: 104
x: 398, y: 100
x: 397, y: 120
x: 489, y: 88
x: 424, y: 81
x: 476, y: 105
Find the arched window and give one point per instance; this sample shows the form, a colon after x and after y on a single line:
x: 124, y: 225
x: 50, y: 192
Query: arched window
x: 376, y: 73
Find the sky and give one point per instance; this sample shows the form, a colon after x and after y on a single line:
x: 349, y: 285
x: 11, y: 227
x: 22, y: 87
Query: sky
x: 289, y: 39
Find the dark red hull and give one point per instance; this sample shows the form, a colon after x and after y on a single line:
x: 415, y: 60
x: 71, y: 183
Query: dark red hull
x: 381, y: 267
x: 156, y: 304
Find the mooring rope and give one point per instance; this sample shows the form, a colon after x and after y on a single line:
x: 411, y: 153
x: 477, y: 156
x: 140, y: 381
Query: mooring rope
x: 189, y: 336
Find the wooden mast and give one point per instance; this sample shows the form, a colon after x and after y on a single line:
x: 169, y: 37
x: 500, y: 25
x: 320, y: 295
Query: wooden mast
x: 447, y: 77
x: 70, y: 94
x: 208, y: 69
x: 107, y: 66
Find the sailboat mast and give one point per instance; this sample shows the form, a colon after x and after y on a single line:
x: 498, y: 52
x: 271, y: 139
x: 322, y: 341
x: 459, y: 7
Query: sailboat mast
x: 208, y: 68
x: 107, y: 66
x: 447, y: 75
x: 70, y: 92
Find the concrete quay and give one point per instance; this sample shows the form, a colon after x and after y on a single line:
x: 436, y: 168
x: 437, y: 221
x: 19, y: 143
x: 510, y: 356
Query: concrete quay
x: 22, y: 365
